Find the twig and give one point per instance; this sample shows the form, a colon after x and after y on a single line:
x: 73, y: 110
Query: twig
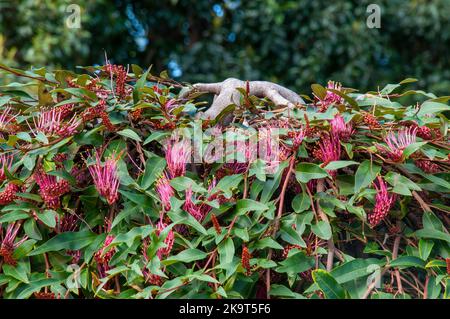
x: 422, y: 203
x: 394, y: 256
x: 278, y: 217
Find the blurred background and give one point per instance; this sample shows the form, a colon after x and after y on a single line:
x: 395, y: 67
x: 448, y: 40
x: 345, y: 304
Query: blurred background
x: 294, y: 43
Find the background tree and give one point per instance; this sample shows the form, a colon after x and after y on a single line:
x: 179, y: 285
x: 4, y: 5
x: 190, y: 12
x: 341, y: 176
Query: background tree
x: 294, y: 43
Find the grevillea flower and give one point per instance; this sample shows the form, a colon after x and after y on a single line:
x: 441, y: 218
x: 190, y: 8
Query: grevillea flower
x: 52, y: 123
x: 9, y: 194
x: 6, y: 118
x: 216, y: 224
x: 98, y: 111
x: 331, y: 97
x: 397, y: 144
x: 383, y: 202
x: 269, y: 149
x: 424, y: 132
x: 245, y: 261
x: 121, y: 74
x: 106, y: 178
x: 177, y: 156
x: 68, y: 222
x: 340, y: 128
x: 330, y: 149
x: 50, y: 188
x: 8, y: 244
x: 169, y: 105
x: 190, y: 207
x: 165, y: 191
x: 427, y: 166
x: 5, y: 164
x: 297, y: 137
x: 168, y: 241
x: 103, y: 256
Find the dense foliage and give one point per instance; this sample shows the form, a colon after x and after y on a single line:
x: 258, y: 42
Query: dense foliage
x: 294, y: 43
x: 98, y: 197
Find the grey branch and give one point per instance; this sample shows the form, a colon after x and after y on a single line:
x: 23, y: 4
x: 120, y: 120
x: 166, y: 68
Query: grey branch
x: 225, y: 94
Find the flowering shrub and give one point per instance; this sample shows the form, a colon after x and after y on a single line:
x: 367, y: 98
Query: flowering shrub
x: 112, y: 187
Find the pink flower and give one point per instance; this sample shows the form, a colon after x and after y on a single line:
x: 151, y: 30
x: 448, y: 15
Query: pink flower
x: 297, y: 137
x: 190, y: 207
x: 8, y: 244
x: 269, y: 149
x: 9, y: 194
x: 51, y: 123
x: 6, y: 118
x: 105, y: 177
x: 177, y: 156
x: 383, y: 202
x: 103, y: 256
x: 397, y: 144
x: 165, y: 191
x: 170, y: 105
x: 50, y: 188
x: 68, y: 222
x: 5, y: 164
x: 169, y: 241
x: 331, y: 97
x: 330, y: 149
x: 340, y: 128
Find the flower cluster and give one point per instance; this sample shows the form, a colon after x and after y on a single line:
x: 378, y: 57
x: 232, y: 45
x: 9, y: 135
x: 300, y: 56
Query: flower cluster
x: 50, y: 188
x: 340, y: 128
x: 178, y: 155
x: 383, y: 202
x: 165, y: 191
x: 51, y: 123
x: 331, y: 98
x: 397, y: 144
x: 106, y: 178
x: 98, y: 111
x: 8, y: 242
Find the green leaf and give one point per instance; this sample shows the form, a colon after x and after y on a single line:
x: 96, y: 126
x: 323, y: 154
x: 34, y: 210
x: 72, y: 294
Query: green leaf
x: 319, y: 91
x: 322, y: 229
x: 410, y: 149
x: 36, y: 286
x: 328, y: 285
x: 432, y: 108
x: 283, y: 291
x: 226, y: 251
x: 130, y: 134
x: 228, y: 184
x: 339, y: 164
x: 355, y: 269
x: 156, y: 136
x: 66, y: 240
x: 245, y: 205
x: 304, y: 172
x: 365, y: 174
x: 153, y: 169
x: 425, y: 247
x: 433, y: 234
x: 407, y: 261
x: 19, y: 272
x: 296, y: 263
x: 267, y: 242
x: 139, y: 85
x: 186, y: 256
x: 182, y: 183
x: 301, y: 202
x: 129, y: 237
x: 48, y: 217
